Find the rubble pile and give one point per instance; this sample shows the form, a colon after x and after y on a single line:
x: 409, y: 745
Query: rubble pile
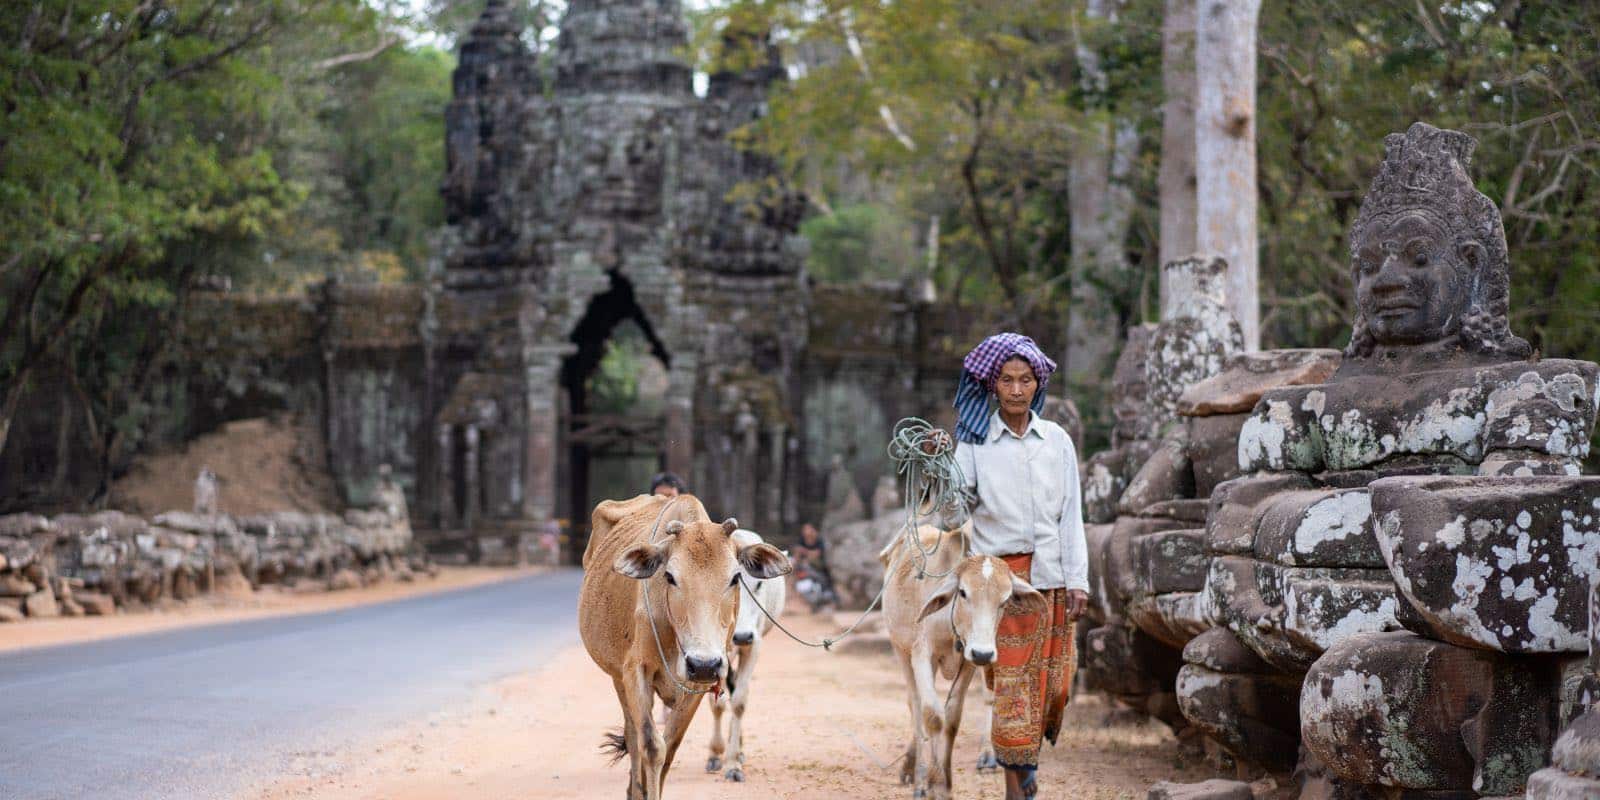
x: 95, y: 564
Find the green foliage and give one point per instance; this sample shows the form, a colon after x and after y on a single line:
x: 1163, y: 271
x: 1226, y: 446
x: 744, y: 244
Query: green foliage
x: 1003, y: 88
x: 860, y: 242
x: 147, y: 144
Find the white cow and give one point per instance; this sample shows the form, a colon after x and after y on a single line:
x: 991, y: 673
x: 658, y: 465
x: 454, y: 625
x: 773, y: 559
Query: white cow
x: 748, y: 628
x: 942, y: 610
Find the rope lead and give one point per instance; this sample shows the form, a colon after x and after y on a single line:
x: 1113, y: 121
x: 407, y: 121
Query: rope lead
x: 934, y: 484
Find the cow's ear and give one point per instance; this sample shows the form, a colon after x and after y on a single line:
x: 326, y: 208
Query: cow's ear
x: 940, y: 598
x: 640, y: 561
x: 730, y: 525
x: 763, y: 561
x: 1027, y: 597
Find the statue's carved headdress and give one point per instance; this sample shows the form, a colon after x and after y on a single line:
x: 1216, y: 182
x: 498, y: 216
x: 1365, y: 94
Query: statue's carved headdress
x: 1424, y: 171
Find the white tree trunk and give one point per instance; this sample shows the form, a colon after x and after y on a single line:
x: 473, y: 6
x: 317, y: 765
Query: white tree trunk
x: 1100, y: 204
x: 1225, y: 146
x: 1176, y: 181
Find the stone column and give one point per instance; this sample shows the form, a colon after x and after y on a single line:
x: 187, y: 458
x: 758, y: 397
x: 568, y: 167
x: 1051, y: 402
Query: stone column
x: 679, y: 441
x: 444, y: 485
x: 472, y: 509
x: 541, y: 452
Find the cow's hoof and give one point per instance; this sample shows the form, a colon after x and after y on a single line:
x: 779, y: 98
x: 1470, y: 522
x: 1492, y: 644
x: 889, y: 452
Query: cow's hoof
x: 734, y: 774
x: 988, y: 763
x: 713, y: 764
x: 919, y: 794
x: 908, y: 775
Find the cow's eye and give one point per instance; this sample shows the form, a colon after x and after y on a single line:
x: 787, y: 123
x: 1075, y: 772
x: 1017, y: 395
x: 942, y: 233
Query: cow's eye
x: 734, y: 581
x: 962, y: 592
x: 671, y: 581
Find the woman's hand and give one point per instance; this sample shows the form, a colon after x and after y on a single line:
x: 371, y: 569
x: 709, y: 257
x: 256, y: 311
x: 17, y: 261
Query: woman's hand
x: 1077, y: 603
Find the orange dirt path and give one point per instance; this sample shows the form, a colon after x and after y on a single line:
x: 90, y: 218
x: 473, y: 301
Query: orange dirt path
x: 819, y: 725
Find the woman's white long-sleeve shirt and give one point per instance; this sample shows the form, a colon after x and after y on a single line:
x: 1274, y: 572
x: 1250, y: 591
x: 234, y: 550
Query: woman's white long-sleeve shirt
x: 1027, y: 500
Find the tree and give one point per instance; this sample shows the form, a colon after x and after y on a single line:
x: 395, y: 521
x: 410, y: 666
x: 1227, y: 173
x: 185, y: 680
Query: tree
x: 146, y: 144
x: 1225, y: 150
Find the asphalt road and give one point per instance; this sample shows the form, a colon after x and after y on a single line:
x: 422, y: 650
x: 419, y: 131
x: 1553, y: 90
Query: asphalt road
x: 206, y: 712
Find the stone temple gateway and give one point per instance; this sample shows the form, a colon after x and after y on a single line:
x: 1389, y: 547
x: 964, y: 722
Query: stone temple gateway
x: 609, y: 196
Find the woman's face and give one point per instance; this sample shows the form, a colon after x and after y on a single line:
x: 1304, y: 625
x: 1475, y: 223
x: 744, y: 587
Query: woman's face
x: 1015, y: 387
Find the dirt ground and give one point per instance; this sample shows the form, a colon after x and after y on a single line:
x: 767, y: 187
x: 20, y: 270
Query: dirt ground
x: 210, y: 610
x: 262, y: 465
x: 819, y: 725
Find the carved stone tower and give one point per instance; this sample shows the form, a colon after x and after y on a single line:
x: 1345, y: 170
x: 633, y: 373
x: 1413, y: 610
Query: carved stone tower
x: 611, y: 194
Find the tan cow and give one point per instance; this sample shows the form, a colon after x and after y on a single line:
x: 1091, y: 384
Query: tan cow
x: 656, y: 613
x: 955, y: 643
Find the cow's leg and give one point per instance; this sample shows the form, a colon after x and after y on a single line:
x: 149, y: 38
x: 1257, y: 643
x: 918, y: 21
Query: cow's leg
x: 908, y: 770
x: 718, y: 705
x: 630, y: 740
x: 952, y: 723
x: 984, y: 722
x: 740, y: 695
x: 683, y: 709
x: 644, y: 740
x: 931, y: 724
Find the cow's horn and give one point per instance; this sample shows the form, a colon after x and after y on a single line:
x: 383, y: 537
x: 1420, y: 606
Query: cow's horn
x: 730, y: 525
x: 675, y: 527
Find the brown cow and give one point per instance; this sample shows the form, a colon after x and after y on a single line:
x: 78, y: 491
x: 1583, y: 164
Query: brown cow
x: 661, y: 558
x: 921, y: 580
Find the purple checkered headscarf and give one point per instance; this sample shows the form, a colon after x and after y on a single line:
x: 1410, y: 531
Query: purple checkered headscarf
x: 978, y: 373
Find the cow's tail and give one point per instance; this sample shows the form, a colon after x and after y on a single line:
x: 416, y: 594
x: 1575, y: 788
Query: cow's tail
x: 615, y: 745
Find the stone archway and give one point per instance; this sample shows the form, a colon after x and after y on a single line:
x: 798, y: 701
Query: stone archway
x: 605, y: 440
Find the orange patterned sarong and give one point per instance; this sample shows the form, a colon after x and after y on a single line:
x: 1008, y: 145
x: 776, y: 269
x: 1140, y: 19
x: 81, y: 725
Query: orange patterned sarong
x: 1032, y: 673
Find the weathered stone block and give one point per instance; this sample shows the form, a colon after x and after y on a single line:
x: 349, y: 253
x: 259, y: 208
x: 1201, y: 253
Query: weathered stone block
x: 11, y: 609
x: 1173, y: 618
x: 1254, y: 717
x: 1240, y: 384
x: 1322, y: 607
x: 1097, y: 538
x: 1236, y: 506
x: 1166, y: 475
x: 1191, y: 510
x: 13, y: 585
x: 1170, y: 561
x: 41, y: 604
x: 1502, y: 563
x: 1318, y: 527
x: 1214, y: 450
x: 1402, y: 711
x: 1219, y: 650
x: 1122, y: 563
x: 1124, y: 662
x: 1553, y: 784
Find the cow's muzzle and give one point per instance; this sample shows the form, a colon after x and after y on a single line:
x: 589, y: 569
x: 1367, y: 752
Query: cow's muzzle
x: 743, y: 637
x: 703, y: 669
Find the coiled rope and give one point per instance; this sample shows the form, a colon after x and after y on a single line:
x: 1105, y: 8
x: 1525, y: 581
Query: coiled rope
x: 924, y: 457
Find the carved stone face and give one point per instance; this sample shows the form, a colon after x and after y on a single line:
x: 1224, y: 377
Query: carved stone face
x: 1411, y: 284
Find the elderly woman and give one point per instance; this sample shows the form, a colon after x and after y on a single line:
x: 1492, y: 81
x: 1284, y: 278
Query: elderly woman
x: 1022, y: 471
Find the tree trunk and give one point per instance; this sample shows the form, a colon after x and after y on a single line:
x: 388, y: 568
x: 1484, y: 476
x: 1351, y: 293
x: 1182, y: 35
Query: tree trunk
x: 1225, y: 146
x: 10, y: 403
x: 1101, y: 206
x: 1176, y: 181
